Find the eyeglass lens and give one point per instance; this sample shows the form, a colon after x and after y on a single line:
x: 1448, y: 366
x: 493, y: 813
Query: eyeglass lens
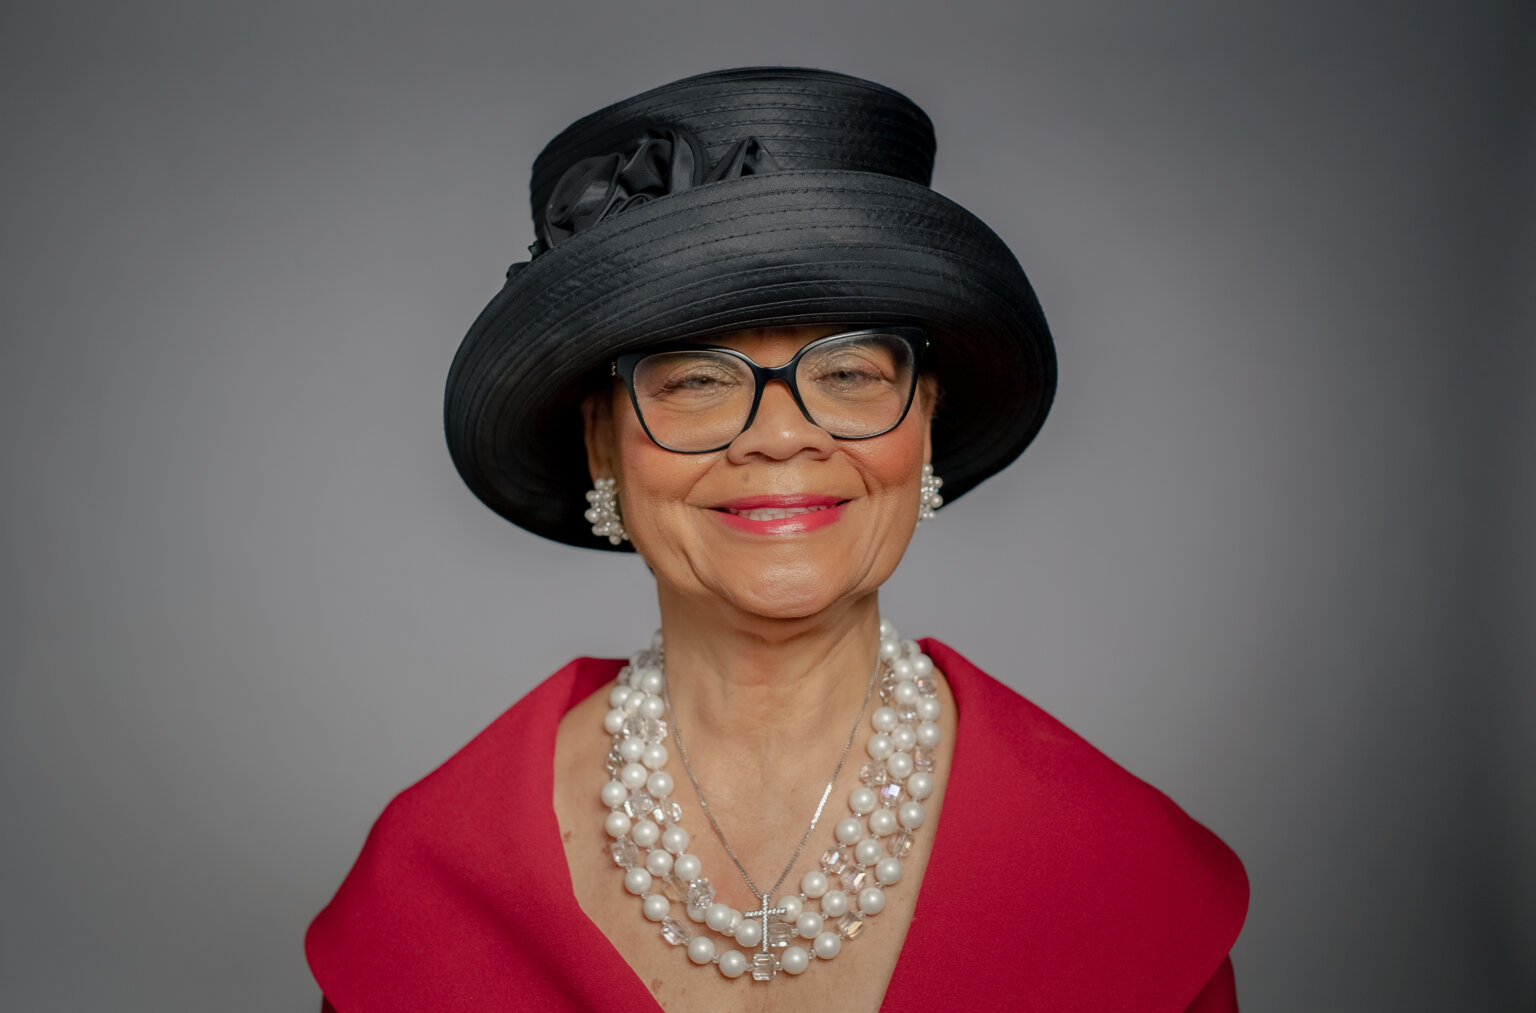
x: 853, y: 386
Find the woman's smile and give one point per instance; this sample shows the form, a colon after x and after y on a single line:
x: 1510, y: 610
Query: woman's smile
x: 780, y: 515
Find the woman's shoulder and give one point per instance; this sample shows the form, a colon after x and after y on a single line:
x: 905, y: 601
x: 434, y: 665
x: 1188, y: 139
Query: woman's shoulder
x: 1121, y: 882
x: 504, y: 765
x: 457, y: 861
x: 1061, y: 772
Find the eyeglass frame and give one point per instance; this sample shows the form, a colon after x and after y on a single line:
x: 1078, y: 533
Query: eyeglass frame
x: 916, y: 338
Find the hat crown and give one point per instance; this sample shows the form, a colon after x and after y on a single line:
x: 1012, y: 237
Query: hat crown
x: 805, y: 119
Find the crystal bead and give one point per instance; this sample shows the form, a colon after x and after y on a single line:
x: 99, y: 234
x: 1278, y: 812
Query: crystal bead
x: 780, y: 933
x: 835, y: 860
x: 673, y: 932
x: 639, y: 804
x: 624, y: 853
x: 667, y: 811
x: 901, y: 843
x: 614, y: 762
x: 701, y: 894
x: 765, y: 966
x: 873, y: 773
x: 927, y: 684
x: 649, y: 729
x: 850, y: 925
x: 908, y: 715
x: 673, y: 888
x: 890, y: 794
x: 922, y: 758
x: 854, y: 879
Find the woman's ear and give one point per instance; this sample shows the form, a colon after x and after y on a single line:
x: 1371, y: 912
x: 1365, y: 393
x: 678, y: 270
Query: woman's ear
x: 597, y: 425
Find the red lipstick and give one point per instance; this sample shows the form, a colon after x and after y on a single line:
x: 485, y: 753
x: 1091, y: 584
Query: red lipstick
x: 780, y: 515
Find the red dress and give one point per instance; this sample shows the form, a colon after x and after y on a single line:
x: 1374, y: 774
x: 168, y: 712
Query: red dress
x: 1112, y: 897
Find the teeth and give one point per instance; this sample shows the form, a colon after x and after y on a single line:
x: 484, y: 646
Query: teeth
x: 775, y: 514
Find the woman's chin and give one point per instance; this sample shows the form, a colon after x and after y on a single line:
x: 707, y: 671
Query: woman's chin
x: 789, y: 591
x: 788, y: 579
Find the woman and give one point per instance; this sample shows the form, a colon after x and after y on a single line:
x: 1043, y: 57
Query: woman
x: 750, y: 345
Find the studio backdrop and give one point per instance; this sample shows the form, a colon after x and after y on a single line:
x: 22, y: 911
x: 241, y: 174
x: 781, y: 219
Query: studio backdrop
x: 1273, y: 551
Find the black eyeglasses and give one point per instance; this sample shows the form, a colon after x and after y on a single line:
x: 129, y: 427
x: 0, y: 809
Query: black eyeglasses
x: 695, y: 399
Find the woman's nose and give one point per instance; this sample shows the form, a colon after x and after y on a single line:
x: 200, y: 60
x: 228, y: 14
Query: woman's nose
x: 780, y: 429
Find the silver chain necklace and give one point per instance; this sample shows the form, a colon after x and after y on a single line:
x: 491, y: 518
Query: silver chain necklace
x: 698, y: 790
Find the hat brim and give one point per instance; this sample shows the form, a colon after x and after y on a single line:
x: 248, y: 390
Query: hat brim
x: 801, y: 247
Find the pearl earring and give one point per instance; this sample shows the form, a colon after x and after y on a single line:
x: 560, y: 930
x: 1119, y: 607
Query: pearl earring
x: 604, y: 511
x: 928, y: 498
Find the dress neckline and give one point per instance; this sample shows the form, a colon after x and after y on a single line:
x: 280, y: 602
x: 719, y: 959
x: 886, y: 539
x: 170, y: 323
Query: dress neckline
x: 590, y: 678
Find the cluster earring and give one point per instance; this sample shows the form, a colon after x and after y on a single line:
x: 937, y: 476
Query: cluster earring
x: 928, y: 498
x: 604, y: 511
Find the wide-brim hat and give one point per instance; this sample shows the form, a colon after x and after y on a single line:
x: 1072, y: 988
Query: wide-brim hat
x: 739, y: 199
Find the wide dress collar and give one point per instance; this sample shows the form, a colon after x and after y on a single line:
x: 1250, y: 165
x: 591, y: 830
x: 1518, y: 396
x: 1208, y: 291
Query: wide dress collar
x: 1058, y: 881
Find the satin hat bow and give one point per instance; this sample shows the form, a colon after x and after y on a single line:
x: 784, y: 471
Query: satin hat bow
x: 662, y: 161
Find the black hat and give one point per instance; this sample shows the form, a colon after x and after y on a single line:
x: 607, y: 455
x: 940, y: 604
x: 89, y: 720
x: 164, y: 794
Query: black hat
x: 742, y: 198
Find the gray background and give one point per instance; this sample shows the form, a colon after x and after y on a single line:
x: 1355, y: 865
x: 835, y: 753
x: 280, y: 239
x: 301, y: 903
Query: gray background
x: 1275, y: 550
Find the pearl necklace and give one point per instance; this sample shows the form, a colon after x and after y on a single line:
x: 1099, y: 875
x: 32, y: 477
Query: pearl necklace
x: 836, y: 899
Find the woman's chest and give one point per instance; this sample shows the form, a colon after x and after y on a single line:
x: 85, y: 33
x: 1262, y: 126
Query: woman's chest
x: 655, y: 947
x: 870, y: 916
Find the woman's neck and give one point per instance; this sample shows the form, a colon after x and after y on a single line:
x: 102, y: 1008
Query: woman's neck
x: 767, y: 693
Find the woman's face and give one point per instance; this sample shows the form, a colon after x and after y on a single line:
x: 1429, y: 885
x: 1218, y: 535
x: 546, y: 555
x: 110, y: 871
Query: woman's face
x: 784, y: 522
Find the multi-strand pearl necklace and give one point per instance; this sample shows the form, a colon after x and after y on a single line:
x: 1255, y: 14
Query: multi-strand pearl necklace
x: 836, y: 899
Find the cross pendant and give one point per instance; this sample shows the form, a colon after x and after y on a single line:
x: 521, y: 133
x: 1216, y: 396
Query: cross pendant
x: 763, y: 914
x: 765, y: 965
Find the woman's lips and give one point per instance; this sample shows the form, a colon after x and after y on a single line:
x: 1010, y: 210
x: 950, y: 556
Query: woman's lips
x: 780, y: 515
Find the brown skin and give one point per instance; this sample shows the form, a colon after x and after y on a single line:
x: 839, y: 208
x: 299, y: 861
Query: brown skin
x: 770, y: 644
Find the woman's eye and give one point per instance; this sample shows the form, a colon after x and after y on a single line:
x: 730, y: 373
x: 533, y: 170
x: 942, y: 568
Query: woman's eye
x: 694, y: 381
x: 848, y: 374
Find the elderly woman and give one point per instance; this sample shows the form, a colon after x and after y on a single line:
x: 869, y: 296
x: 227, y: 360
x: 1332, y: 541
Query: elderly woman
x: 749, y: 345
